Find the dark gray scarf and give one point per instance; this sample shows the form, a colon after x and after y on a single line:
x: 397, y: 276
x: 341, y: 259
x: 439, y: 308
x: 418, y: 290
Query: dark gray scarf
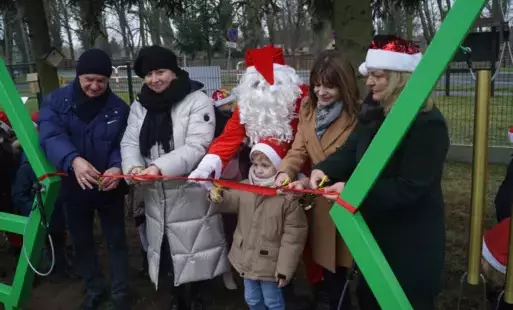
x: 325, y: 115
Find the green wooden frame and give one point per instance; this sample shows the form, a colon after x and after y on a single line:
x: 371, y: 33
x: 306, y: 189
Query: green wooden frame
x: 14, y: 296
x: 360, y: 241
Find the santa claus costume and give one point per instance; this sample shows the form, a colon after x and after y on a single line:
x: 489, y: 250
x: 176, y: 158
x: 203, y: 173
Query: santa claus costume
x: 268, y: 100
x: 268, y: 96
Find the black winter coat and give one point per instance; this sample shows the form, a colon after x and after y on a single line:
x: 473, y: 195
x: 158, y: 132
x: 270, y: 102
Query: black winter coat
x: 405, y: 208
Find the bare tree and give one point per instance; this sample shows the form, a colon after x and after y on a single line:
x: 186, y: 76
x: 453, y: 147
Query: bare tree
x: 121, y: 9
x: 54, y: 23
x: 65, y: 22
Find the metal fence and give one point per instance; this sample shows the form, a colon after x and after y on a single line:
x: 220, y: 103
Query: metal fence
x: 453, y: 94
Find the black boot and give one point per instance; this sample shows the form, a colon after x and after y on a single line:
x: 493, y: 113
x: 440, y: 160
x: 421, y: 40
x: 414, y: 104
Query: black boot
x: 143, y: 271
x: 196, y: 302
x: 93, y: 301
x: 178, y: 299
x: 121, y: 303
x: 321, y: 297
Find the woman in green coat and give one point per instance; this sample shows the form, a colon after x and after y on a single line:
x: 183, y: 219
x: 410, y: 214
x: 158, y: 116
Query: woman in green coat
x: 405, y: 209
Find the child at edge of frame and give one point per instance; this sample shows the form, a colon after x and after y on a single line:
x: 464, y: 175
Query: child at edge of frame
x: 271, y: 231
x: 494, y: 260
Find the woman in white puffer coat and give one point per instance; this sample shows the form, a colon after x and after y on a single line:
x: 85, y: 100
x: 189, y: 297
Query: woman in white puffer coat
x: 170, y: 126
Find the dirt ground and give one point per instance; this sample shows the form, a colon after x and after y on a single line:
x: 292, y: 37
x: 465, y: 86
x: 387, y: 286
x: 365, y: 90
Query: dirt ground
x: 57, y: 295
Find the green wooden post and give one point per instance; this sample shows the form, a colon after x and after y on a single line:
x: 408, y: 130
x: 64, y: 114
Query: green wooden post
x: 356, y: 234
x: 13, y: 297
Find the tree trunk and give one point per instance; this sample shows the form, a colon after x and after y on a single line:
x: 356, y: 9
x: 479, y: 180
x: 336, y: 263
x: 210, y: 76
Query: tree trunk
x: 425, y: 29
x: 429, y: 20
x: 20, y: 41
x: 40, y: 38
x: 101, y: 40
x: 142, y: 32
x: 121, y: 12
x: 67, y: 27
x: 167, y: 31
x: 440, y: 8
x: 52, y: 16
x: 352, y: 22
x: 253, y: 31
x: 8, y: 37
x: 270, y: 26
x: 21, y: 37
x: 409, y: 25
x: 153, y: 22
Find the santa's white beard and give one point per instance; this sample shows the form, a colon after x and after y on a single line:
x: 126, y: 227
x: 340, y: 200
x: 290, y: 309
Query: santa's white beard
x: 265, y: 110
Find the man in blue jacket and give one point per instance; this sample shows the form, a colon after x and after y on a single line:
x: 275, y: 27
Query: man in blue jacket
x: 80, y: 129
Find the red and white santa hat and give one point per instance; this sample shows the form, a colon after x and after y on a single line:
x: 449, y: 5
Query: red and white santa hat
x: 389, y: 52
x: 495, y: 245
x: 222, y: 96
x: 266, y: 60
x: 34, y: 116
x: 510, y: 134
x: 4, y: 122
x: 274, y: 149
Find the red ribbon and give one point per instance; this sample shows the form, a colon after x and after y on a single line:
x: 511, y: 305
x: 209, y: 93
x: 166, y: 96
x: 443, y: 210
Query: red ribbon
x: 255, y: 189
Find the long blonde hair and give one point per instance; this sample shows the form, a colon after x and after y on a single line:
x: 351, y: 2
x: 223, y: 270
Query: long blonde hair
x: 396, y: 82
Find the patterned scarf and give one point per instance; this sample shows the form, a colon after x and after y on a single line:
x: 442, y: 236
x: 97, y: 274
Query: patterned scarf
x: 325, y: 115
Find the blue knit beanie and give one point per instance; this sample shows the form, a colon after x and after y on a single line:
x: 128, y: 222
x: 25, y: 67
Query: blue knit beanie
x: 94, y: 61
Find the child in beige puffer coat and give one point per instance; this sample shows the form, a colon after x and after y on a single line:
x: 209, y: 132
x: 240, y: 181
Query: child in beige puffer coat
x: 271, y: 230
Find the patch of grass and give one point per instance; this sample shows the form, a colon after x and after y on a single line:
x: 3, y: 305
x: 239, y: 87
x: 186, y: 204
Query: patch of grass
x: 459, y: 112
x: 457, y: 192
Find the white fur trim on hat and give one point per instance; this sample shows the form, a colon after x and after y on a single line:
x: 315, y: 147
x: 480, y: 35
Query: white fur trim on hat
x: 224, y: 101
x: 388, y: 60
x: 5, y: 127
x: 363, y: 69
x: 268, y: 151
x: 276, y: 67
x: 488, y: 256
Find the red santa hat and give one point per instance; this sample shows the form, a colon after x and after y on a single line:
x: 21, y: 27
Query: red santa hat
x: 265, y: 60
x: 274, y: 149
x: 388, y: 52
x: 510, y: 134
x: 34, y: 116
x: 4, y: 122
x: 495, y: 245
x: 222, y: 97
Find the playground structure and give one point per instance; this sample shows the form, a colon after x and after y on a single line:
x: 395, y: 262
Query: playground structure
x: 349, y: 222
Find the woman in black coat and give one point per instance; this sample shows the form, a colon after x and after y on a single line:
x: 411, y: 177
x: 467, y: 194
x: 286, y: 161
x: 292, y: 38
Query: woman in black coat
x: 404, y: 209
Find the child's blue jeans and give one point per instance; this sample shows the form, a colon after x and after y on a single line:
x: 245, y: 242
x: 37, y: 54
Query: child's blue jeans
x: 262, y: 295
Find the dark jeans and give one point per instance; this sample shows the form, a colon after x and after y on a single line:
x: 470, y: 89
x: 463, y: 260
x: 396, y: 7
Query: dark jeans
x: 80, y: 218
x: 504, y: 197
x: 58, y: 220
x: 334, y: 283
x: 367, y: 301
